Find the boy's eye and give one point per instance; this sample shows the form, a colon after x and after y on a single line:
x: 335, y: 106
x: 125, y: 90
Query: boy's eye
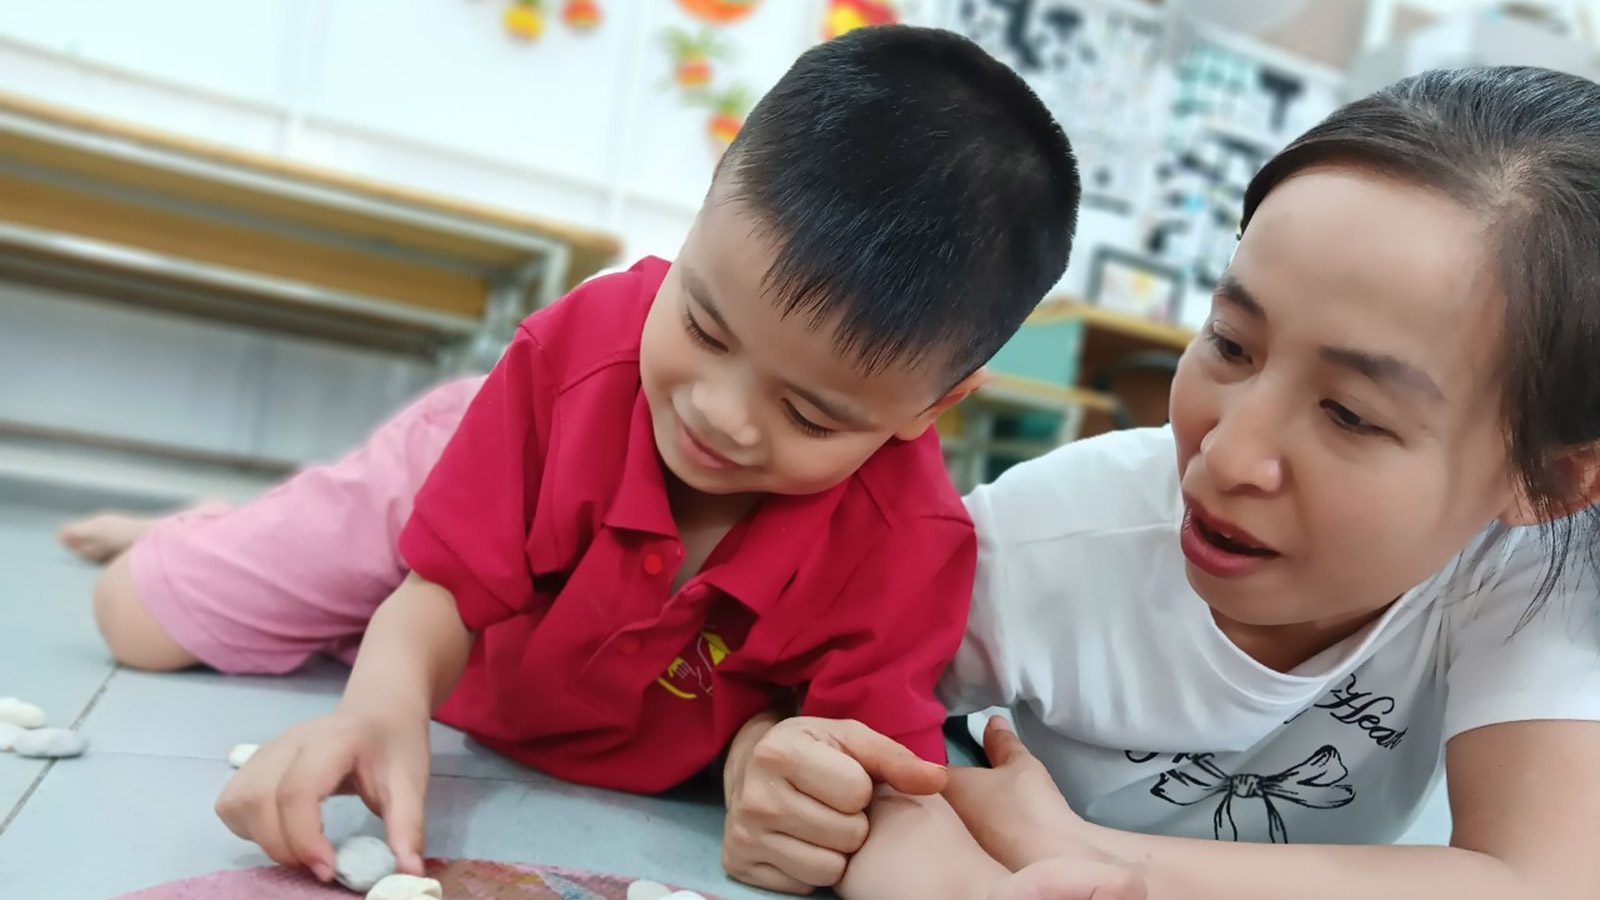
x: 699, y: 334
x: 805, y: 424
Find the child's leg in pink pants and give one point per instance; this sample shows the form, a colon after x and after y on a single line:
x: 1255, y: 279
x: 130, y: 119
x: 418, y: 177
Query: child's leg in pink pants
x: 264, y: 587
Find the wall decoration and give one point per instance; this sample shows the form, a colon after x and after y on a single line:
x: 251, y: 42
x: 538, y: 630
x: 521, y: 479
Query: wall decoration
x: 845, y: 16
x: 1135, y: 285
x: 728, y: 110
x: 524, y: 19
x: 582, y: 15
x: 691, y: 54
x: 719, y: 12
x: 1167, y: 122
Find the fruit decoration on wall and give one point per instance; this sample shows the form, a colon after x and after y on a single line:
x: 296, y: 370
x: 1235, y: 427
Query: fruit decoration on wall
x: 582, y: 15
x: 692, y: 55
x: 719, y: 12
x: 525, y: 19
x: 845, y: 16
x: 728, y: 109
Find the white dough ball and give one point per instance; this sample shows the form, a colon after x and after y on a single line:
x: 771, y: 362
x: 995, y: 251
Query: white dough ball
x: 648, y: 890
x: 23, y: 715
x: 406, y: 887
x: 363, y: 862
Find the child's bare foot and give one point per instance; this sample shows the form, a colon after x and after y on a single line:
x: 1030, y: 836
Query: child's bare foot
x: 1071, y: 879
x: 100, y: 538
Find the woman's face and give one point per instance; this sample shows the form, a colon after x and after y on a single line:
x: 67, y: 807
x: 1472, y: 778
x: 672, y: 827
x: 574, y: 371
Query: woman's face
x: 1339, y: 419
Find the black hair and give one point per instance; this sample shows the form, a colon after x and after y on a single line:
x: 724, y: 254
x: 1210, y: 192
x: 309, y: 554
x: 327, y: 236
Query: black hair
x: 920, y: 196
x: 1521, y: 147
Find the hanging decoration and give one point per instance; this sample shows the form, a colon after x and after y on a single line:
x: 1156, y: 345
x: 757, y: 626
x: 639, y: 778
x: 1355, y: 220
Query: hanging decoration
x: 524, y: 19
x: 582, y: 15
x: 845, y: 16
x: 719, y: 12
x: 728, y: 110
x: 691, y: 55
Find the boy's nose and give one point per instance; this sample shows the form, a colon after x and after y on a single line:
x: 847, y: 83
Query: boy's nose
x: 726, y: 412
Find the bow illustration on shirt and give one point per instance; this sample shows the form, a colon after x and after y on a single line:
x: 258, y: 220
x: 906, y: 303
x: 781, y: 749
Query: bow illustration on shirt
x: 1314, y: 783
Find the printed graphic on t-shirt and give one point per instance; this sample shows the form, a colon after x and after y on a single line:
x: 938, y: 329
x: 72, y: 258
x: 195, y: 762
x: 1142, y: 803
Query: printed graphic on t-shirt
x: 1317, y: 782
x: 691, y: 675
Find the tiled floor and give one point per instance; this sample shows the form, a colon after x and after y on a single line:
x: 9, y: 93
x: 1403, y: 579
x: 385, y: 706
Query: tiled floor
x: 136, y: 810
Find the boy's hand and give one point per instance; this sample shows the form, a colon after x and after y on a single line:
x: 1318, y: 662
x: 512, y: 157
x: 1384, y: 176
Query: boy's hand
x: 276, y: 799
x: 797, y: 797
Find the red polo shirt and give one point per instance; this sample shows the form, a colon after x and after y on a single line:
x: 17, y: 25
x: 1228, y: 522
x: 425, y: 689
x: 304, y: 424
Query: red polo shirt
x: 547, y: 519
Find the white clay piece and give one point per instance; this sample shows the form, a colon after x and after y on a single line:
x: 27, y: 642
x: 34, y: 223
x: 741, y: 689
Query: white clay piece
x: 50, y: 743
x: 406, y: 887
x: 363, y: 862
x: 23, y: 715
x: 684, y: 895
x: 8, y: 736
x: 241, y: 754
x: 648, y: 890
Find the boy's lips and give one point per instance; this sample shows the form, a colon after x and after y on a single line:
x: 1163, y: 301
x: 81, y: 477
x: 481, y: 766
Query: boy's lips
x: 700, y: 453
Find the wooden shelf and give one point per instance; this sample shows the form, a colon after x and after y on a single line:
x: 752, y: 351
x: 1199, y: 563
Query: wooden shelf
x: 1172, y: 337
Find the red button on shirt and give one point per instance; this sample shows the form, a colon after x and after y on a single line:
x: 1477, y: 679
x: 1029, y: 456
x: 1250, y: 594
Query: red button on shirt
x: 536, y: 518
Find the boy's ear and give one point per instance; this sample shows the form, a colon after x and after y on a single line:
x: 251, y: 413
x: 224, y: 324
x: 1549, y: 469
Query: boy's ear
x: 918, y: 426
x: 1578, y: 470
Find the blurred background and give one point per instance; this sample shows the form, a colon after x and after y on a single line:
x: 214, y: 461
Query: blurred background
x: 234, y: 236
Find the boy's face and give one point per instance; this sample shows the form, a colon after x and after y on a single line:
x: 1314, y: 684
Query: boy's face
x: 745, y: 400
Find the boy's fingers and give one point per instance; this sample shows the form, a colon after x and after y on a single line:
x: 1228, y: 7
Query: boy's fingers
x: 403, y: 802
x: 306, y: 783
x: 807, y: 864
x: 770, y: 878
x: 887, y: 761
x: 814, y: 822
x: 831, y: 775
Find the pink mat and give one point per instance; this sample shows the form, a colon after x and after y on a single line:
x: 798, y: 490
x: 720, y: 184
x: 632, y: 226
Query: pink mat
x: 462, y: 880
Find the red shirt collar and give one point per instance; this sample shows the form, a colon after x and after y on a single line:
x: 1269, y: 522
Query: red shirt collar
x: 757, y: 558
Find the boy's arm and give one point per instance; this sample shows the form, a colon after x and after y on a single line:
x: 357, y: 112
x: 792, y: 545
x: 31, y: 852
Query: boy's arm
x: 412, y: 655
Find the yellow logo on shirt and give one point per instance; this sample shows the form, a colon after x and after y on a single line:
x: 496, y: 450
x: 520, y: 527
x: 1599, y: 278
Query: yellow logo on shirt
x: 690, y: 675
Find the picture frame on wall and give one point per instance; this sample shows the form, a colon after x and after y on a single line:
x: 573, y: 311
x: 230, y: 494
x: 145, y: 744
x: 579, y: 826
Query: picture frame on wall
x: 1134, y: 285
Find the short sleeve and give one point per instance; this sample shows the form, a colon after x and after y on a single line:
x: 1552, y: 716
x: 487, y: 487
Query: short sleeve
x: 896, y: 626
x: 468, y: 532
x: 981, y: 675
x: 1502, y: 669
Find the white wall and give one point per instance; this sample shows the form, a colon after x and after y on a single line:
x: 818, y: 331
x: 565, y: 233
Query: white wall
x: 429, y: 93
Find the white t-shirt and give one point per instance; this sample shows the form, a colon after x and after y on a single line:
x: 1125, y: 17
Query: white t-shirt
x: 1151, y: 720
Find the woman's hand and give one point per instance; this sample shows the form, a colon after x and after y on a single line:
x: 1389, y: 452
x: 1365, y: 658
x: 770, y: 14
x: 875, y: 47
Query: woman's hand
x: 1014, y: 809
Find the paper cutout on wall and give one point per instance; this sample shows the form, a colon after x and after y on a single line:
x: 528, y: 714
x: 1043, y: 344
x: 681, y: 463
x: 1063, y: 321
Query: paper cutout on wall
x: 691, y: 55
x: 524, y: 19
x: 719, y: 12
x: 845, y: 16
x: 728, y: 110
x: 582, y: 15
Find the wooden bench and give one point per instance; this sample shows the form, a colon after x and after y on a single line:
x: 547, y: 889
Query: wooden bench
x: 106, y: 208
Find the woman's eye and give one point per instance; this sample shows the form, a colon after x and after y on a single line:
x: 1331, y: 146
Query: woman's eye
x: 1343, y: 417
x: 1230, y: 351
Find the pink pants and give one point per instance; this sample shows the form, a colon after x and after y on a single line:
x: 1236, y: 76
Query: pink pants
x: 298, y: 572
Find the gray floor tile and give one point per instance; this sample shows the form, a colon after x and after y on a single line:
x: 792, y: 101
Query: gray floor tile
x: 201, y: 715
x: 108, y: 824
x: 50, y: 653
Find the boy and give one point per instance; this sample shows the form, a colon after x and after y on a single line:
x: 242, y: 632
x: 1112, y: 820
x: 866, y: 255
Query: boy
x: 686, y: 494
